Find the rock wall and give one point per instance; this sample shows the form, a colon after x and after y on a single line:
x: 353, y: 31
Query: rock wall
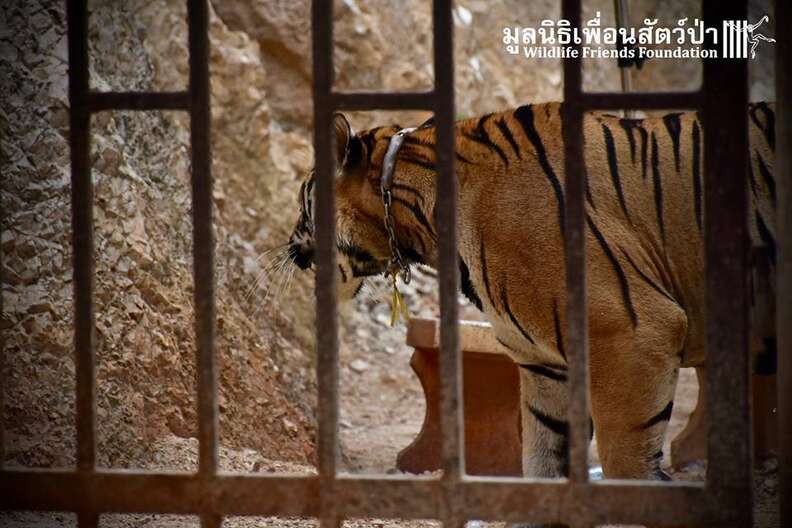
x: 261, y: 142
x: 141, y: 173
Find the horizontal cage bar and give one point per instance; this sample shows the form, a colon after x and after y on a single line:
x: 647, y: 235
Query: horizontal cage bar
x: 511, y: 500
x: 103, y: 101
x: 384, y: 100
x: 640, y: 100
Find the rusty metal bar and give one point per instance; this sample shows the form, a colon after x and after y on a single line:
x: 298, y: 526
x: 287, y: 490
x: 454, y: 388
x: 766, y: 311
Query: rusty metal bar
x: 82, y: 232
x: 2, y: 351
x: 211, y: 520
x: 87, y: 520
x: 575, y: 250
x: 448, y: 266
x: 640, y: 100
x: 326, y: 295
x: 783, y: 171
x: 203, y: 246
x: 384, y: 100
x: 145, y: 492
x: 203, y: 237
x: 621, y: 10
x: 510, y: 500
x: 100, y: 101
x: 729, y: 471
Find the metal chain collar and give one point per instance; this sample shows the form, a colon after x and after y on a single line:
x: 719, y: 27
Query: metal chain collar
x: 397, y: 264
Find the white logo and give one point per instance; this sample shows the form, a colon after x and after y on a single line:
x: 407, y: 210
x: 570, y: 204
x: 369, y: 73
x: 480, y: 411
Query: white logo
x: 688, y: 39
x: 736, y: 36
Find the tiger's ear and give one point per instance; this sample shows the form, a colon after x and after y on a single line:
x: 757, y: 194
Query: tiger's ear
x: 349, y: 147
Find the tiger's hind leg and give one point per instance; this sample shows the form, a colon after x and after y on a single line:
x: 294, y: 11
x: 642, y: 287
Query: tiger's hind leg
x: 633, y: 380
x: 544, y: 396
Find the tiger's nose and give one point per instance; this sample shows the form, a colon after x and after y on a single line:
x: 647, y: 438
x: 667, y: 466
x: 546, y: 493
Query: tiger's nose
x: 301, y: 255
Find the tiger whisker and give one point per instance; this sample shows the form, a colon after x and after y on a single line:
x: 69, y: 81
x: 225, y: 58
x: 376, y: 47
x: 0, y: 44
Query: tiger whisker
x: 277, y: 272
x: 283, y: 268
x: 279, y: 247
x: 259, y: 279
x: 278, y: 260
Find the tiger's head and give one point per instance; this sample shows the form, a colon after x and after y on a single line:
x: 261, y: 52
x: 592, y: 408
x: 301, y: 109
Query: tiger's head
x: 362, y: 247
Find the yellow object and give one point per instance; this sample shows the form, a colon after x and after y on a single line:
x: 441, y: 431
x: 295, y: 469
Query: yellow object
x: 398, y: 306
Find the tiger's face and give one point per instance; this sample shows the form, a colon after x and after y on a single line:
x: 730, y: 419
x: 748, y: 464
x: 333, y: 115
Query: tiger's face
x: 362, y: 248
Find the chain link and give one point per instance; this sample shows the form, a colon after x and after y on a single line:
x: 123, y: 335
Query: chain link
x: 397, y: 264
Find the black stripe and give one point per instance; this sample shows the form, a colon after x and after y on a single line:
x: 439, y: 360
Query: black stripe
x: 512, y: 317
x: 369, y: 141
x: 504, y: 128
x: 697, y: 173
x: 768, y: 127
x: 613, y: 164
x: 417, y: 141
x: 644, y: 148
x: 343, y: 273
x: 558, y: 336
x: 355, y: 252
x: 767, y: 237
x: 629, y: 125
x: 541, y: 370
x: 410, y: 253
x: 408, y: 189
x: 525, y: 117
x: 589, y: 197
x: 308, y: 193
x: 674, y: 127
x: 662, y: 416
x: 485, y: 275
x: 480, y: 136
x: 466, y: 285
x: 767, y: 176
x: 301, y: 195
x: 484, y: 135
x: 462, y: 158
x: 412, y: 140
x: 658, y: 187
x: 418, y: 214
x: 416, y: 159
x: 752, y: 178
x: 648, y: 279
x: 559, y: 427
x: 625, y: 286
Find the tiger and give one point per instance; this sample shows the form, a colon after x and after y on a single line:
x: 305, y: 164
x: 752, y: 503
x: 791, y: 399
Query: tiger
x: 644, y: 234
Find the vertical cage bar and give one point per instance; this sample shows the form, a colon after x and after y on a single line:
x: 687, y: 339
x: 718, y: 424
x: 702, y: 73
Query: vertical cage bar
x: 621, y: 9
x: 448, y: 276
x: 211, y: 520
x: 326, y: 295
x: 450, y: 364
x: 87, y: 520
x: 203, y: 237
x: 82, y: 232
x: 2, y: 352
x: 574, y: 244
x: 726, y: 249
x: 783, y: 164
